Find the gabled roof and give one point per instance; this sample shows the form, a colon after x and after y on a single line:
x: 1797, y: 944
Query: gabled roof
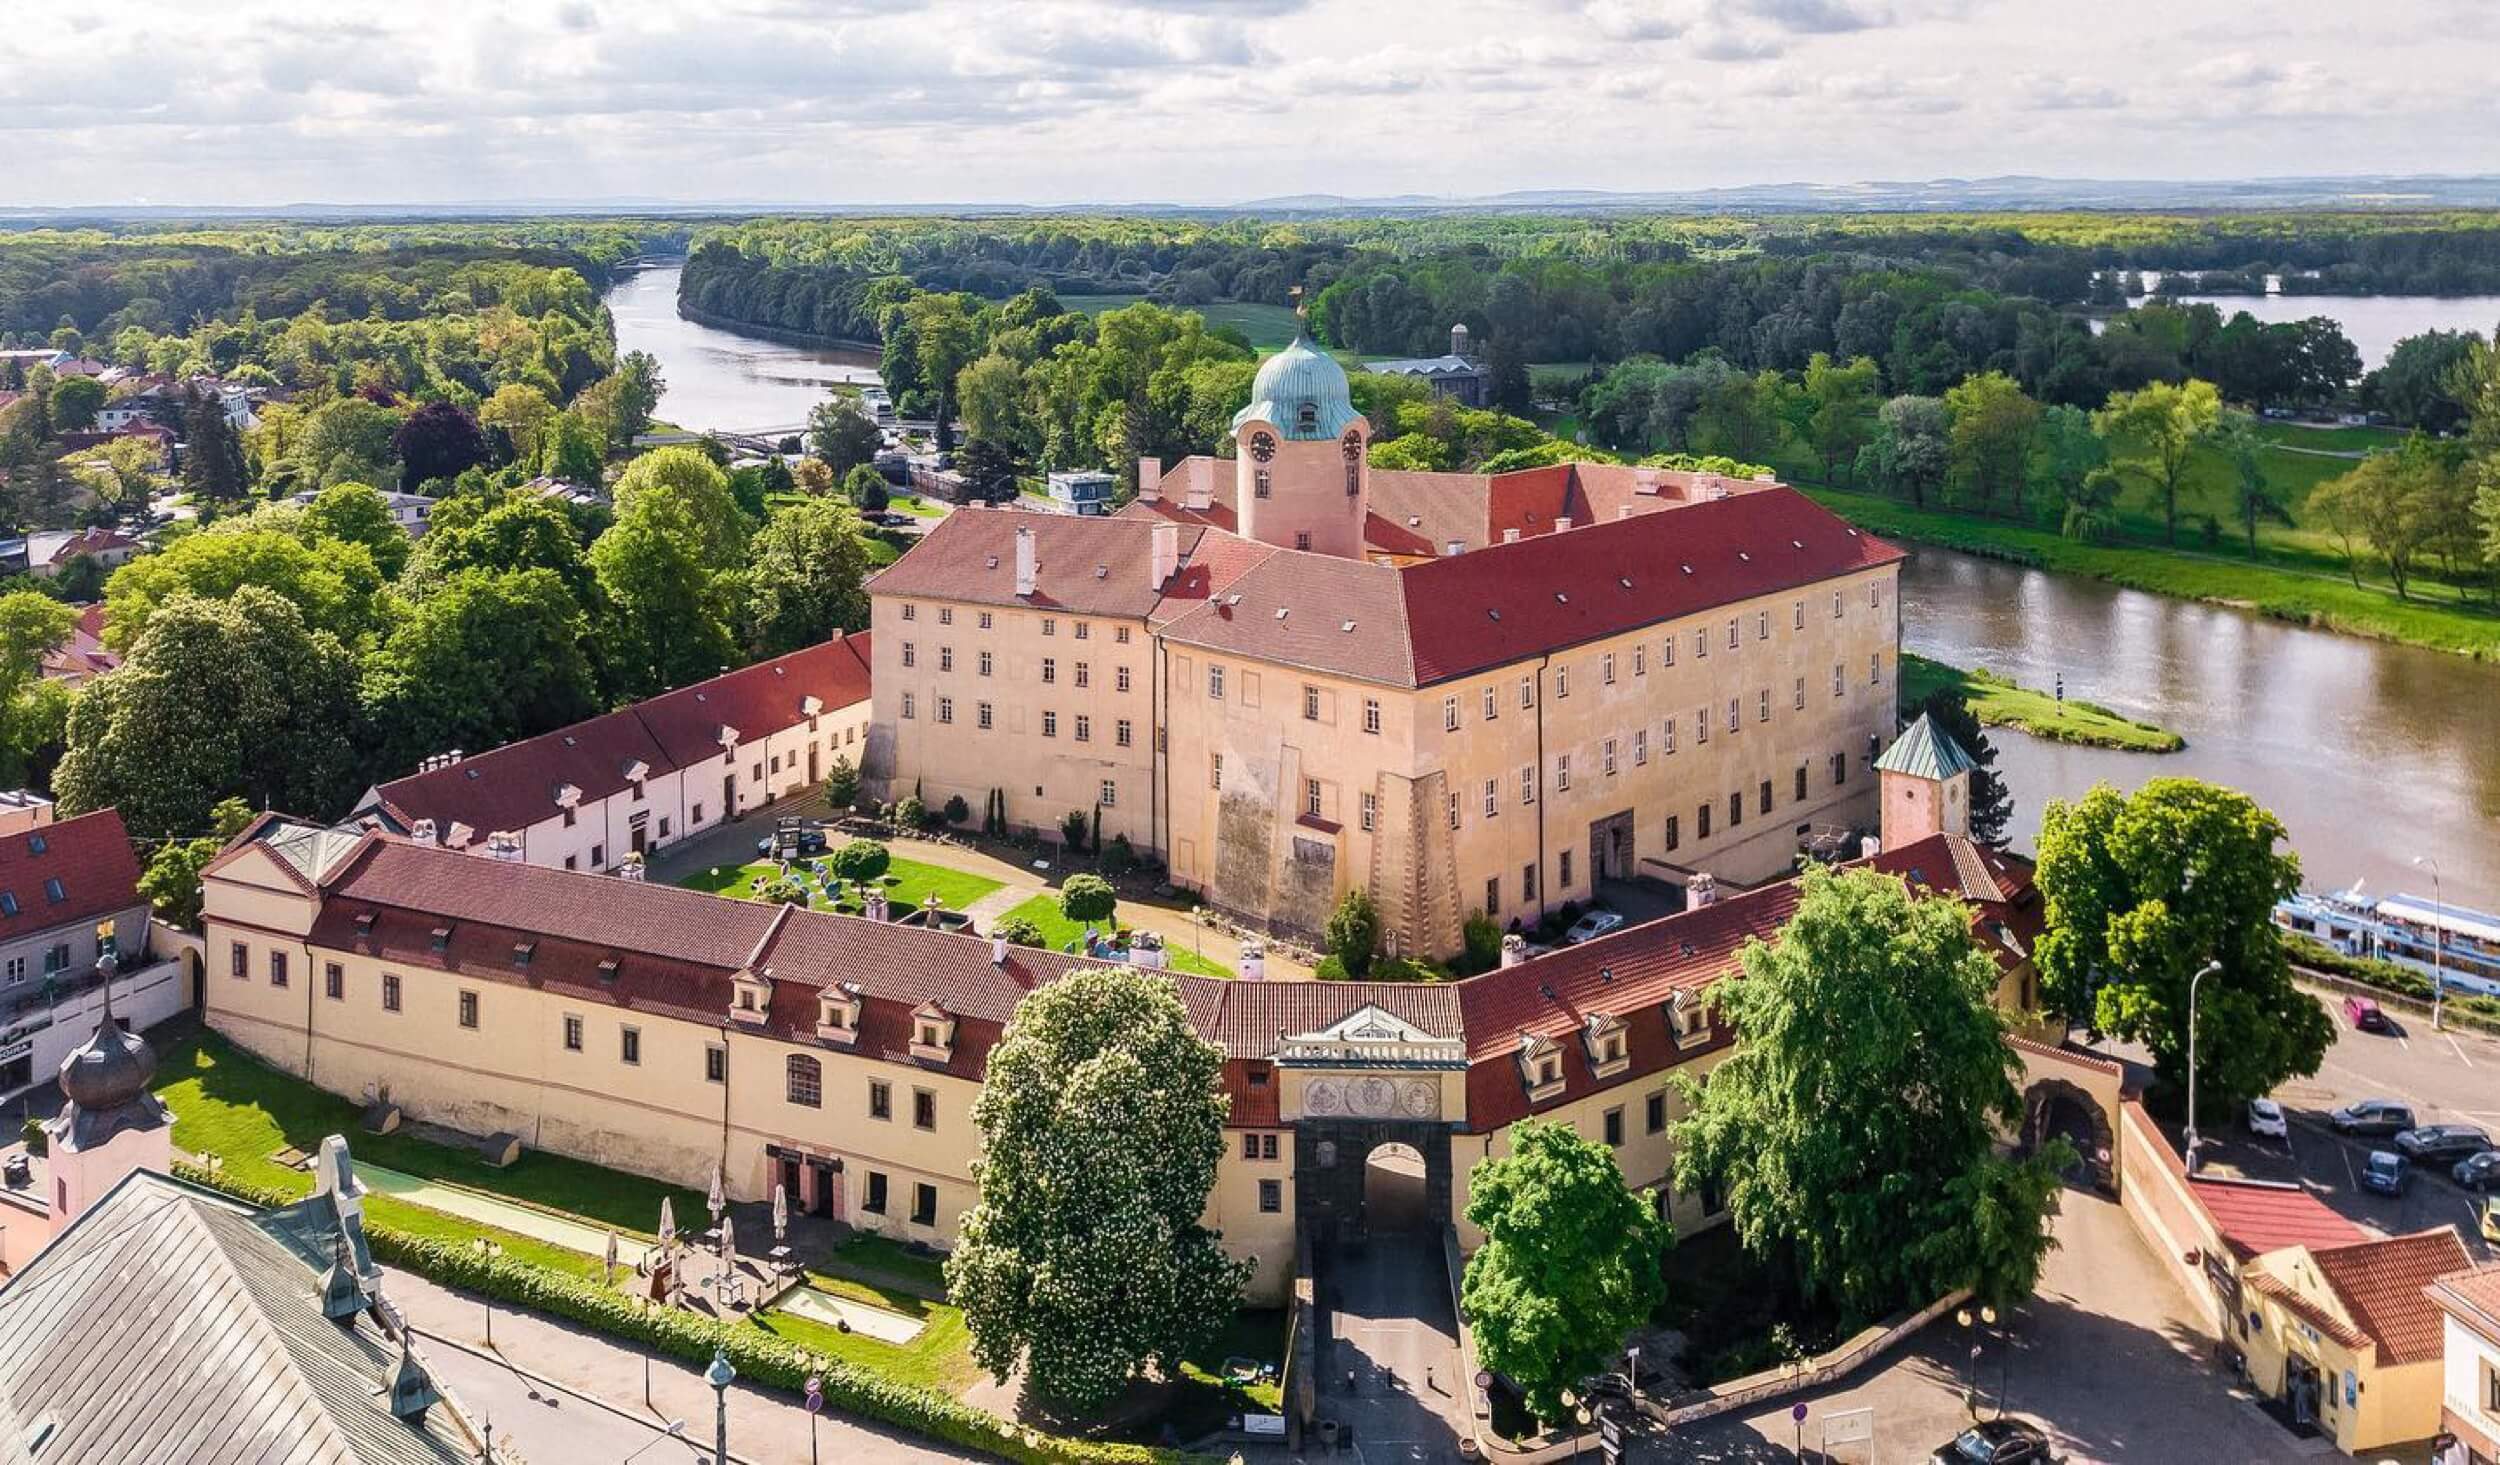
x: 2257, y: 1216
x: 756, y: 700
x: 2472, y: 1298
x: 1927, y: 751
x: 1317, y: 611
x: 90, y: 856
x: 2383, y: 1283
x: 169, y: 1323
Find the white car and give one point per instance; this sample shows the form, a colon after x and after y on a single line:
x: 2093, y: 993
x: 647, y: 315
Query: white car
x: 1591, y: 926
x: 2265, y: 1120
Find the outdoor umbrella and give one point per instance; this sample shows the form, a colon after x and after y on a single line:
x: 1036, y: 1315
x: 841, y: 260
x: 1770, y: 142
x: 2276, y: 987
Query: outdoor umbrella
x: 668, y: 1222
x: 714, y: 1199
x: 611, y: 1257
x: 781, y: 1213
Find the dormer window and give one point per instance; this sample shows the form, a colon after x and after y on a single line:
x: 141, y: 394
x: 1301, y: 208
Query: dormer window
x: 1687, y: 1019
x: 932, y: 1033
x: 837, y: 1013
x: 750, y: 996
x: 607, y: 971
x: 364, y: 922
x: 1540, y: 1067
x: 522, y: 951
x: 1608, y: 1047
x: 1306, y: 416
x: 440, y: 941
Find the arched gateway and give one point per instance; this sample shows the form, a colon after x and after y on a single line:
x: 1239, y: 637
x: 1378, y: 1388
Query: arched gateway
x: 1373, y: 1099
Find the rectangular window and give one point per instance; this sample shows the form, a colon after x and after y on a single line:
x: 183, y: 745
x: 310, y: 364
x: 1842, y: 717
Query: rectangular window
x: 1260, y: 484
x: 1640, y: 660
x: 1310, y: 703
x: 1874, y: 594
x: 1675, y: 833
x: 1110, y: 794
x: 1050, y: 670
x: 1614, y: 1127
x: 923, y: 1109
x: 1762, y: 797
x: 572, y: 1033
x: 1249, y: 1146
x: 1527, y: 783
x: 1492, y: 804
x: 945, y: 716
x: 1527, y: 882
x: 1310, y: 797
x: 1735, y: 714
x: 1762, y: 705
x: 1084, y: 629
x: 1084, y: 728
x: 1701, y: 725
x: 1654, y: 1114
x: 1449, y: 713
x: 715, y: 1063
x: 1735, y: 809
x: 924, y: 1204
x: 1732, y: 624
x: 982, y: 717
x: 910, y: 612
x: 1527, y: 693
x: 629, y: 1044
x: 1801, y: 783
x: 1798, y: 699
x: 1640, y: 747
x: 1606, y: 757
x: 1606, y: 668
x: 1302, y: 539
x: 1666, y: 737
x: 1123, y: 732
x: 1492, y: 708
x: 1875, y: 669
x: 1492, y: 895
x: 1271, y: 1196
x: 1840, y: 768
x: 874, y: 1201
x: 910, y: 655
x: 1215, y: 682
x: 1371, y: 714
x: 1563, y: 873
x: 1835, y: 605
x: 1762, y: 625
x: 907, y: 704
x: 1050, y: 724
x: 986, y: 621
x: 468, y: 1009
x: 1119, y: 679
x: 1701, y: 641
x: 1701, y: 822
x: 1562, y: 773
x: 334, y: 982
x: 1215, y: 771
x: 1371, y: 810
x: 880, y: 1099
x: 1840, y: 680
x: 16, y: 970
x: 1453, y: 803
x: 1084, y: 673
x: 988, y: 663
x: 277, y: 969
x: 390, y: 992
x: 1562, y: 681
x: 946, y: 658
x: 1666, y: 650
x: 1050, y: 625
x: 1120, y: 635
x: 239, y: 960
x: 946, y: 615
x: 1797, y: 615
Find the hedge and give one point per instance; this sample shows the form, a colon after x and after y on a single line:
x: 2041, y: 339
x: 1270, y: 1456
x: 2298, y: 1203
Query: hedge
x: 2388, y: 977
x: 758, y: 1356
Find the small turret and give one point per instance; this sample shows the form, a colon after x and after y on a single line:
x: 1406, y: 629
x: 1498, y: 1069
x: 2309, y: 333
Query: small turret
x: 1925, y: 778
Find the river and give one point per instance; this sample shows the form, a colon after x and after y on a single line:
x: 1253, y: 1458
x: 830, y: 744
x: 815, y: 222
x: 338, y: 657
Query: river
x: 2373, y: 323
x: 720, y: 381
x: 2370, y: 753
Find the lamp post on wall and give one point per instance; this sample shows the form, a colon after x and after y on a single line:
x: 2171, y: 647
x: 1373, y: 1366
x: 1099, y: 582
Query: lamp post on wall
x: 2439, y: 971
x: 2208, y: 969
x: 719, y: 1376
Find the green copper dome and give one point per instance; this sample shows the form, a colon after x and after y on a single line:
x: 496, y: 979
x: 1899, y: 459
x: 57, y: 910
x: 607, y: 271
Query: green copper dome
x: 1301, y: 392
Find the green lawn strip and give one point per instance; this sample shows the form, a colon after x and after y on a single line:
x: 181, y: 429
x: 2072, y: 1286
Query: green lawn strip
x: 2311, y: 598
x: 1268, y: 327
x: 881, y: 552
x: 1255, y: 1333
x: 1998, y: 702
x: 940, y: 1357
x: 907, y: 884
x: 2332, y: 439
x: 229, y: 1104
x: 914, y: 505
x: 1060, y: 934
x: 889, y: 1267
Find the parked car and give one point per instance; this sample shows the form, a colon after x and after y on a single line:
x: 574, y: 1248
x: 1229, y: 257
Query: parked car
x: 2487, y: 1219
x: 1995, y: 1442
x: 2265, y: 1119
x: 2364, y: 1015
x: 2372, y: 1116
x: 2443, y: 1142
x: 792, y: 840
x: 1591, y: 926
x: 2385, y: 1172
x: 2478, y: 1172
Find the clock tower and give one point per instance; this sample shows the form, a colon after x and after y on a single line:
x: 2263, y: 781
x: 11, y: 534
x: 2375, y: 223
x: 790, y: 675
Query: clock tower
x: 1301, y: 455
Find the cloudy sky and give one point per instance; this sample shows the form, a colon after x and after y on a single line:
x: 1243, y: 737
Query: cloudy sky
x: 257, y: 102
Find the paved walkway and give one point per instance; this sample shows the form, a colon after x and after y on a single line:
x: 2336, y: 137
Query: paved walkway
x: 590, y: 1392
x: 1391, y: 1370
x: 487, y: 1210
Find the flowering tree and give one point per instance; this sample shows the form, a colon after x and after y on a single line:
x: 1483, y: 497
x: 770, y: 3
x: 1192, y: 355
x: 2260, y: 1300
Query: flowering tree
x: 1102, y: 1119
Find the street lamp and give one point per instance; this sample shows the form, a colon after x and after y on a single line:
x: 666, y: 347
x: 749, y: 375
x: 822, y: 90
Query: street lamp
x: 719, y: 1376
x: 487, y: 1249
x: 2439, y: 984
x: 1987, y: 1317
x: 2208, y: 969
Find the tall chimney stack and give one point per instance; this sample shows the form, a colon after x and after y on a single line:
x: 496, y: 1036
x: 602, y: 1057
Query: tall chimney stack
x: 1024, y: 560
x: 1149, y: 478
x: 1167, y: 553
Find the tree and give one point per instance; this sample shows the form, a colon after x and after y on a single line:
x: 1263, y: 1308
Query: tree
x: 806, y: 573
x: 520, y: 412
x: 1991, y: 435
x: 686, y: 477
x: 866, y: 488
x: 121, y: 473
x: 486, y: 659
x: 1354, y: 933
x: 31, y: 623
x: 2388, y: 500
x: 666, y: 612
x: 1509, y: 389
x: 171, y: 881
x: 346, y: 441
x: 991, y: 391
x: 75, y: 403
x: 638, y: 388
x: 945, y: 334
x: 1087, y: 898
x: 841, y: 436
x: 1991, y: 803
x: 437, y: 441
x: 214, y: 466
x: 575, y: 451
x: 2419, y: 384
x: 2253, y: 495
x: 1102, y: 1121
x: 812, y: 478
x: 2154, y: 432
x: 1841, y: 416
x: 1018, y: 931
x: 2065, y: 452
x: 859, y: 861
x: 1569, y: 1263
x: 141, y: 738
x: 332, y: 585
x: 1853, y: 1133
x: 356, y: 513
x: 842, y: 782
x: 2144, y: 889
x: 508, y: 531
x: 1911, y: 450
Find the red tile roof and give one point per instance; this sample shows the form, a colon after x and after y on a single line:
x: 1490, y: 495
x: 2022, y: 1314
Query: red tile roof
x: 2384, y: 1282
x: 2269, y: 1285
x: 514, y: 786
x: 2257, y: 1216
x: 91, y: 857
x: 1082, y: 565
x: 1337, y: 615
x: 2472, y: 1298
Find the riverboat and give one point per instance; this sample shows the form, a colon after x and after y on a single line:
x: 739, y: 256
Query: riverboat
x: 2452, y: 944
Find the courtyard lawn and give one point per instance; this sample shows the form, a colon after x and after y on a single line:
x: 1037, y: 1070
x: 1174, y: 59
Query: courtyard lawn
x: 916, y: 506
x: 907, y: 884
x: 1997, y: 702
x: 1061, y: 934
x: 229, y: 1104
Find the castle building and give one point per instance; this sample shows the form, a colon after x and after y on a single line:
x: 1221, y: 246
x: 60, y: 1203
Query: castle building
x: 668, y: 1032
x: 1290, y: 676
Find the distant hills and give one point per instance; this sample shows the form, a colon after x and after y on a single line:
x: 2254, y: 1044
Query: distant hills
x: 2010, y: 193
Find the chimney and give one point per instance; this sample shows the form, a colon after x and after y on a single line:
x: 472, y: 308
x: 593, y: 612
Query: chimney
x: 1024, y: 559
x: 1253, y: 962
x: 1869, y: 846
x: 1510, y: 536
x: 1149, y: 478
x: 1167, y: 554
x: 998, y: 951
x: 1514, y: 949
x: 1702, y: 891
x: 1645, y: 480
x: 422, y: 831
x: 1561, y: 522
x: 503, y: 845
x: 1200, y: 489
x: 1623, y: 511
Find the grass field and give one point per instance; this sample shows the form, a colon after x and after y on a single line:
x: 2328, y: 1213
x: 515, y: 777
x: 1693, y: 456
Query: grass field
x: 1998, y: 702
x: 1269, y: 327
x: 907, y: 884
x: 916, y: 506
x: 1061, y: 934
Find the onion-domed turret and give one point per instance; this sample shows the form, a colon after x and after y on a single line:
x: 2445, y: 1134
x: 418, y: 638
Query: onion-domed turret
x: 1301, y: 392
x: 108, y: 1070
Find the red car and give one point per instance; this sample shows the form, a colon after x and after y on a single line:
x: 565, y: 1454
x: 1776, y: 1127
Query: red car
x: 2363, y: 1014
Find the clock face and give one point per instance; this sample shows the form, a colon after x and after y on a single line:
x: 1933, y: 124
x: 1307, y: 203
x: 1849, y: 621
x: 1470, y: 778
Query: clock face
x: 1353, y: 447
x: 1262, y: 446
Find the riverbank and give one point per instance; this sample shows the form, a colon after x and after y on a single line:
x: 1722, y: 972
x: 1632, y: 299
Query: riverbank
x: 786, y: 337
x: 2317, y: 599
x: 1997, y: 702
